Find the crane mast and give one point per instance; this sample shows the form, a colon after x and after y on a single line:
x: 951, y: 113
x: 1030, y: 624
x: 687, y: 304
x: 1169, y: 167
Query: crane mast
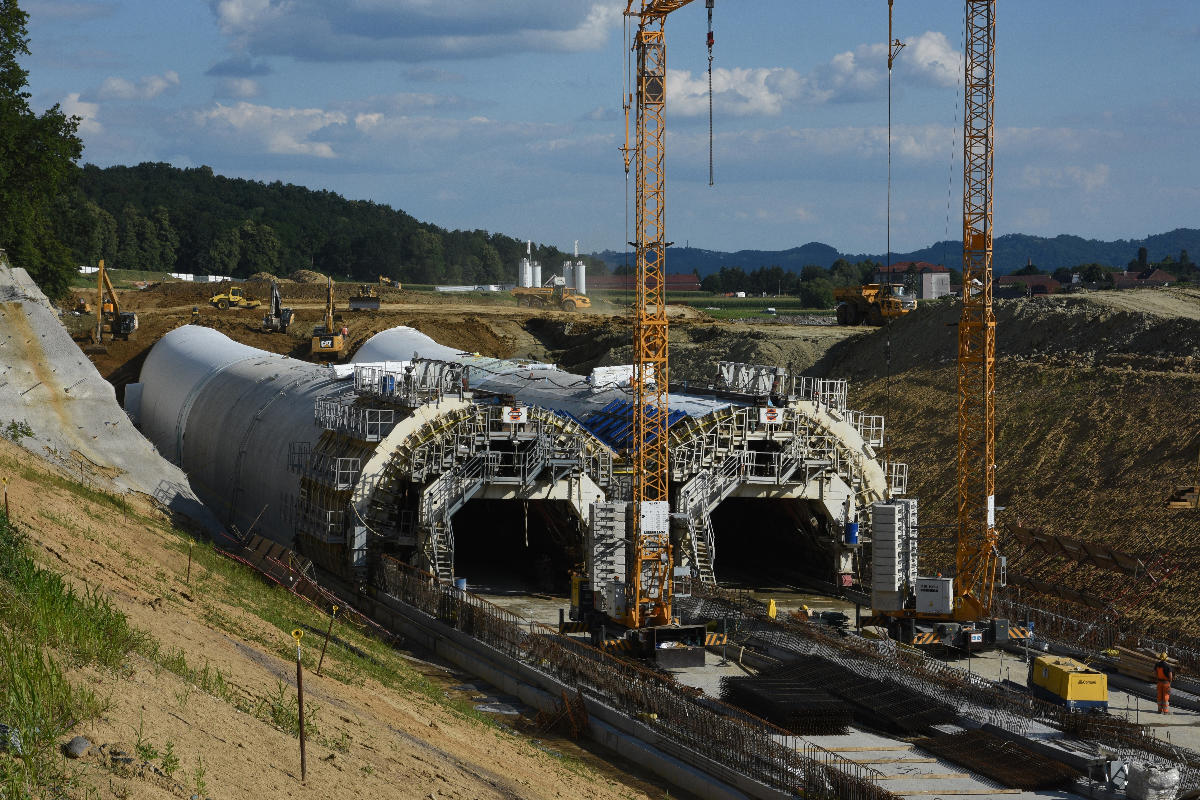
x: 650, y: 596
x: 976, y: 558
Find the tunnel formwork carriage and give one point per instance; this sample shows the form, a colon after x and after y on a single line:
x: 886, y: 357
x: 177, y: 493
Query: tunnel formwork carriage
x: 754, y: 432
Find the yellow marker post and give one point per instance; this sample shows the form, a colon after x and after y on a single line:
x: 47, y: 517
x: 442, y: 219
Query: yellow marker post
x: 328, y: 631
x: 298, y: 634
x: 771, y: 608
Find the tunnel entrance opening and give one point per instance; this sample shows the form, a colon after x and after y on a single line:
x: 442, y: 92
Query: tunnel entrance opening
x: 516, y: 547
x: 767, y: 544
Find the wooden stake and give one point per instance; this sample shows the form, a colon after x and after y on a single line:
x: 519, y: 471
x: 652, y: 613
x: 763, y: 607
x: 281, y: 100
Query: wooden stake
x: 189, y: 574
x: 6, y: 514
x: 297, y: 635
x: 328, y: 631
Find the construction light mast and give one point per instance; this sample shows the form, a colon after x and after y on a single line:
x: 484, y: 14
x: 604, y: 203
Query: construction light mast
x: 650, y: 596
x: 976, y: 557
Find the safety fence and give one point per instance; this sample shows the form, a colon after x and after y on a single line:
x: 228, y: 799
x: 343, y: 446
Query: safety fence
x: 972, y: 695
x: 701, y: 731
x: 1097, y: 634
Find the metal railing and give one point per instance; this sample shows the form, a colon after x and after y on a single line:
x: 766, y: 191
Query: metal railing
x: 368, y: 424
x: 716, y: 738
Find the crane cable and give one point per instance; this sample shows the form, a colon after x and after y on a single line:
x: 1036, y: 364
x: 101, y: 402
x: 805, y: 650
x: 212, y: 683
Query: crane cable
x: 709, y: 41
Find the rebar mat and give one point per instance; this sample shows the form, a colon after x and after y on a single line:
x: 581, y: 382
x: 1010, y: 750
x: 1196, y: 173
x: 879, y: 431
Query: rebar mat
x: 1001, y: 760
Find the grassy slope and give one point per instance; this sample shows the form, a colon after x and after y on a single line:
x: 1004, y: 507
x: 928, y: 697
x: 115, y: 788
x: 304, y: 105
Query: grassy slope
x: 195, y: 679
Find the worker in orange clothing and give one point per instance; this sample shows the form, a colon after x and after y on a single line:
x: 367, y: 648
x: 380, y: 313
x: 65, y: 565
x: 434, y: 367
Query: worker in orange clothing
x: 1163, y: 675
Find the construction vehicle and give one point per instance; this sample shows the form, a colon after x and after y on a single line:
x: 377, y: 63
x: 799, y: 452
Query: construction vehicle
x: 1067, y: 682
x: 328, y: 342
x: 390, y: 283
x: 872, y: 304
x: 110, y: 318
x: 555, y: 294
x: 277, y: 318
x: 235, y: 297
x: 367, y: 298
x: 955, y: 610
x: 82, y: 306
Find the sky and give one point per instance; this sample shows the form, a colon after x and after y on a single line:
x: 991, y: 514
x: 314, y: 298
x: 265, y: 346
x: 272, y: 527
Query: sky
x: 506, y: 115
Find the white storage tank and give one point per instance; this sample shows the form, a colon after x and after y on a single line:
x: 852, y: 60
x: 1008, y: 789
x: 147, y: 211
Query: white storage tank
x: 581, y: 277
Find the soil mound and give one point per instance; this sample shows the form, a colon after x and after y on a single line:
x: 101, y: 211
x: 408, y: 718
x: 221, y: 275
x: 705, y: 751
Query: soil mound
x: 307, y: 276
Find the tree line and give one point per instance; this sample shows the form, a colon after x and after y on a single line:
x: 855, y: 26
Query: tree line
x: 1184, y: 269
x: 161, y: 218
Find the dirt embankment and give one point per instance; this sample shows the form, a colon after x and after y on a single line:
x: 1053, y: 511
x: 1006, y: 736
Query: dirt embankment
x: 381, y: 722
x: 1141, y: 329
x: 1097, y: 420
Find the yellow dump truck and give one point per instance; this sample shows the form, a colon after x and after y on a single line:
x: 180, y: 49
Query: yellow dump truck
x: 1069, y: 683
x: 562, y: 297
x: 872, y: 304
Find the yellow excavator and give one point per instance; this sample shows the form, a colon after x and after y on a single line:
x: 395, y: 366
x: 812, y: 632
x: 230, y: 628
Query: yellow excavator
x: 328, y: 343
x: 110, y: 318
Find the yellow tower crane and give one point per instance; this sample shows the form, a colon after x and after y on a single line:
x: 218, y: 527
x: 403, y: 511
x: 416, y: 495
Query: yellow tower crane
x: 976, y: 556
x: 650, y: 590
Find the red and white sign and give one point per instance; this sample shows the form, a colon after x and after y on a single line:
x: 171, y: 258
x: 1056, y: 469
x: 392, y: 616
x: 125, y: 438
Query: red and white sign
x: 515, y: 416
x: 770, y: 416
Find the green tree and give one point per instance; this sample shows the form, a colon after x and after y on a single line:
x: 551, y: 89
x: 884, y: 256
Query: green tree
x: 1029, y: 269
x: 1063, y: 275
x: 37, y: 162
x: 816, y: 293
x: 167, y: 238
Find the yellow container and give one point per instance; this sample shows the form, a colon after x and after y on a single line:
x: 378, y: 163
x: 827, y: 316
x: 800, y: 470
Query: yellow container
x: 1068, y: 682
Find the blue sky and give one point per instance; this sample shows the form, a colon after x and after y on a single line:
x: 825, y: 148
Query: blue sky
x: 505, y: 114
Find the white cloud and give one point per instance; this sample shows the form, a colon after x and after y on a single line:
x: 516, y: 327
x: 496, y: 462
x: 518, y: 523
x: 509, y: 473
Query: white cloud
x: 1089, y: 179
x: 853, y: 75
x: 147, y: 88
x: 414, y: 30
x: 278, y: 131
x: 242, y: 88
x: 72, y: 106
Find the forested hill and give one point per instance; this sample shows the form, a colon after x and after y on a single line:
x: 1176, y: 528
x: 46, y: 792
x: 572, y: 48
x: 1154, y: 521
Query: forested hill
x: 1012, y: 252
x: 159, y: 217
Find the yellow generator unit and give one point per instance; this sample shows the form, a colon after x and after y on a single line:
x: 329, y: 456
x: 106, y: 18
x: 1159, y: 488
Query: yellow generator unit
x: 1069, y: 683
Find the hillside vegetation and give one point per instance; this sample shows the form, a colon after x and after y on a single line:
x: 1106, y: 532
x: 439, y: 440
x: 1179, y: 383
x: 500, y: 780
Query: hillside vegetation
x: 158, y: 217
x: 177, y: 665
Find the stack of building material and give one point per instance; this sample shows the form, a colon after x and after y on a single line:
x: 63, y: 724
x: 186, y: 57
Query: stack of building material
x: 1003, y: 761
x: 1139, y: 665
x: 788, y: 703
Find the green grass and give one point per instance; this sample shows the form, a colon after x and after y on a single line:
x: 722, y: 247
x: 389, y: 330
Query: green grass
x: 45, y: 623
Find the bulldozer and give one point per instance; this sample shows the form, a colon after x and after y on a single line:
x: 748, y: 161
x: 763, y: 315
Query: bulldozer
x: 556, y: 294
x: 328, y: 343
x: 235, y: 297
x: 872, y: 303
x: 390, y: 283
x: 277, y: 318
x: 367, y: 298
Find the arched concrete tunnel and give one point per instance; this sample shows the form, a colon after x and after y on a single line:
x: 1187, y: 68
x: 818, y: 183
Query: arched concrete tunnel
x: 785, y: 451
x: 415, y: 438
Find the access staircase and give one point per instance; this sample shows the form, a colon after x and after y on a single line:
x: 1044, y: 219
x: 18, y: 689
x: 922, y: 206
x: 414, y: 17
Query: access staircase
x: 439, y: 502
x: 702, y: 494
